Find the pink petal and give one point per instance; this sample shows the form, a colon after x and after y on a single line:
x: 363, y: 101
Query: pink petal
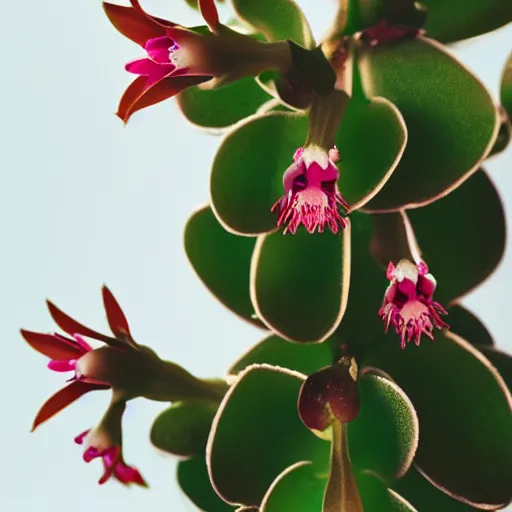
x: 133, y: 24
x: 152, y: 70
x: 110, y: 459
x: 138, y: 96
x: 72, y: 327
x: 62, y: 366
x: 85, y: 346
x: 159, y: 49
x: 62, y: 399
x: 115, y: 316
x: 52, y: 345
x: 159, y: 21
x: 209, y: 12
x: 128, y: 474
x: 79, y: 439
x: 91, y: 453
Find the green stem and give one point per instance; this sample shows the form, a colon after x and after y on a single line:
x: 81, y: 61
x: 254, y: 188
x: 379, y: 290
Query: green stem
x: 174, y: 383
x: 341, y: 494
x: 325, y: 116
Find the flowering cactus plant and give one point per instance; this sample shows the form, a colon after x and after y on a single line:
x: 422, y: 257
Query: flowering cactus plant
x: 349, y: 213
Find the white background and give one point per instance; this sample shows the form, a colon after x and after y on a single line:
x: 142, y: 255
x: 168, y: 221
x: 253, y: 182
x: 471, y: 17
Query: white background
x: 86, y: 201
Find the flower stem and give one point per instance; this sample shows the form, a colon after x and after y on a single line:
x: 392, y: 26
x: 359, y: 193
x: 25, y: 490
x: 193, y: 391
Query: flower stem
x: 341, y: 494
x: 325, y: 116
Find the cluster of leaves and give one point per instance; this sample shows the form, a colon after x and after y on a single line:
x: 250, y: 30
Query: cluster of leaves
x: 434, y: 428
x: 426, y: 428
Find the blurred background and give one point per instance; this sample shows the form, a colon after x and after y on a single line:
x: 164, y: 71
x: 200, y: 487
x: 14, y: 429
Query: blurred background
x: 86, y: 201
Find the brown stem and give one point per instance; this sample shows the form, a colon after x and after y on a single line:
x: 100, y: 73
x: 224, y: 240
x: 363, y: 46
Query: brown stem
x: 341, y: 494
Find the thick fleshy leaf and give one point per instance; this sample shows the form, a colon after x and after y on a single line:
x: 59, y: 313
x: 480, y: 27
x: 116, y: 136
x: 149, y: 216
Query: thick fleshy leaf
x: 391, y: 238
x: 71, y: 326
x: 299, y: 283
x: 223, y: 106
x: 115, y: 316
x: 133, y: 24
x: 413, y: 75
x: 250, y: 445
x: 361, y: 323
x: 247, y: 173
x: 137, y: 96
x: 183, y: 428
x: 245, y: 185
x: 464, y: 411
x: 276, y: 19
x: 222, y: 261
x: 506, y: 86
x: 371, y: 139
x: 64, y: 397
x: 384, y: 437
x: 460, y: 19
x: 377, y: 498
x: 415, y: 488
x: 468, y: 326
x: 469, y: 221
x: 504, y: 133
x: 195, y: 483
x: 297, y: 489
x: 58, y: 348
x: 300, y: 357
x: 501, y: 361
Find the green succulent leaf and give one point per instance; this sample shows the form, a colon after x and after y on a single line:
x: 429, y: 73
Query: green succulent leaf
x: 299, y: 283
x: 501, y: 361
x: 356, y: 16
x: 221, y: 260
x: 465, y: 324
x: 371, y: 139
x: 506, y: 85
x: 195, y: 483
x: 297, y: 489
x: 504, y: 133
x: 456, y: 226
x: 300, y: 357
x: 377, y: 498
x: 257, y: 434
x: 361, y: 323
x: 450, y: 129
x: 247, y: 173
x: 183, y: 428
x: 460, y: 19
x: 415, y: 488
x: 223, y: 106
x: 384, y: 437
x: 276, y: 19
x: 390, y: 240
x: 464, y: 412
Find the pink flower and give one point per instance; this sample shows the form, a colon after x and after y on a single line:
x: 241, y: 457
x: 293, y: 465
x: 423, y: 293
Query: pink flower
x: 113, y: 463
x: 311, y: 195
x: 68, y: 354
x: 69, y: 364
x: 408, y: 302
x: 160, y: 63
x: 175, y: 56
